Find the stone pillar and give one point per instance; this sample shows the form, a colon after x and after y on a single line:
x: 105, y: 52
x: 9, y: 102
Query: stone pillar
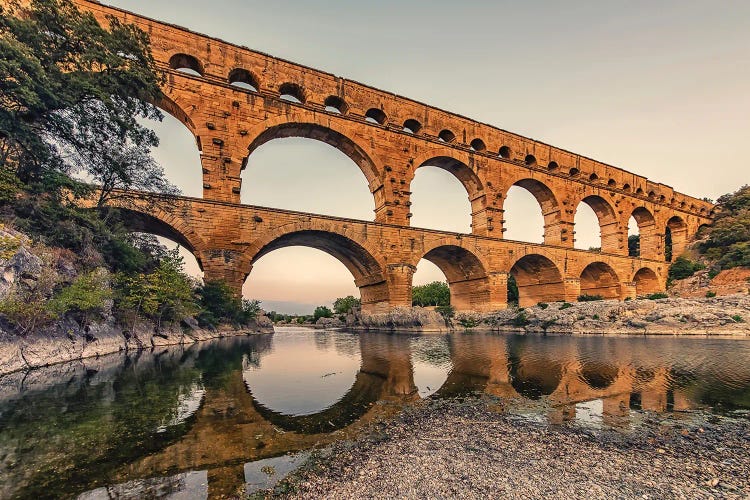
x: 612, y: 236
x: 222, y: 160
x: 481, y: 221
x: 392, y: 203
x: 571, y: 289
x: 399, y: 278
x: 628, y: 289
x: 226, y: 265
x: 558, y: 232
x: 498, y: 292
x: 652, y: 243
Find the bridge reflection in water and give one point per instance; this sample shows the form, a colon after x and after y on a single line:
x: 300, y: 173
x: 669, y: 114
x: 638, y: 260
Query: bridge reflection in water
x: 220, y: 408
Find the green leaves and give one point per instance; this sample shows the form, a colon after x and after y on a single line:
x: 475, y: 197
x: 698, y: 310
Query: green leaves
x: 436, y: 293
x: 66, y: 83
x: 728, y: 241
x: 165, y: 294
x: 343, y: 305
x: 219, y: 305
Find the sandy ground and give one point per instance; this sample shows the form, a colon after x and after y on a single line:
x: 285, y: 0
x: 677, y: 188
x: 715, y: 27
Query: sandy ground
x: 468, y: 449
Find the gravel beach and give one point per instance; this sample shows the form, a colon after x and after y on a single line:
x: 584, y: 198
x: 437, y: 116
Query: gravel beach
x: 469, y: 449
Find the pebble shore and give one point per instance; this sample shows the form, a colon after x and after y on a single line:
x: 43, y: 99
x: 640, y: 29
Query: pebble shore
x: 469, y: 449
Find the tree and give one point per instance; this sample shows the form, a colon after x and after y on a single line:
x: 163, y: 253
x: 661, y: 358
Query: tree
x: 166, y: 294
x: 343, y: 305
x: 436, y: 293
x: 512, y: 290
x: 322, y: 312
x: 634, y: 245
x: 71, y: 91
x: 728, y: 241
x: 683, y: 268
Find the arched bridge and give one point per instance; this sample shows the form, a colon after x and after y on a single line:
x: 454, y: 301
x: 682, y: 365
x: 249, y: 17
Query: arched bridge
x: 233, y: 99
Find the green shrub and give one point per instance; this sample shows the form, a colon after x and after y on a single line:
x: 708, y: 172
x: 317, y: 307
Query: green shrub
x: 520, y: 320
x: 467, y: 321
x: 87, y: 295
x: 595, y: 316
x: 657, y: 296
x: 589, y: 298
x: 565, y: 305
x: 543, y: 305
x: 683, y: 268
x: 219, y: 305
x: 628, y: 299
x: 343, y: 305
x: 738, y: 319
x: 8, y: 245
x: 322, y: 312
x: 436, y: 293
x: 166, y: 294
x: 710, y: 294
x: 447, y: 311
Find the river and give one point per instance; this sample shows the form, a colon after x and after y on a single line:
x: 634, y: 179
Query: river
x: 233, y: 415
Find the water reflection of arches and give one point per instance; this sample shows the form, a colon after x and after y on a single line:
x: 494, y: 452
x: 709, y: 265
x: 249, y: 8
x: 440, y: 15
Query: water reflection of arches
x: 613, y: 374
x: 385, y: 372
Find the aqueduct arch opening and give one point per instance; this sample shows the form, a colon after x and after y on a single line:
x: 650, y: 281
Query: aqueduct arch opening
x: 648, y: 237
x: 646, y: 282
x: 676, y: 238
x: 188, y: 243
x: 311, y: 161
x: 538, y: 280
x: 470, y: 181
x: 548, y: 205
x: 466, y: 275
x: 367, y: 271
x: 600, y: 279
x: 320, y: 133
x: 439, y: 200
x: 609, y: 231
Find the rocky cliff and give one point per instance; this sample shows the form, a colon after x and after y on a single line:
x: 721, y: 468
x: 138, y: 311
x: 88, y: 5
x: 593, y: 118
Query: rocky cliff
x: 32, y: 268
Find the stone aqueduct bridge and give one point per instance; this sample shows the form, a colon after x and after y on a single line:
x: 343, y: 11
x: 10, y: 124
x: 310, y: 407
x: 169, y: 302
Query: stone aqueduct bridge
x: 235, y: 99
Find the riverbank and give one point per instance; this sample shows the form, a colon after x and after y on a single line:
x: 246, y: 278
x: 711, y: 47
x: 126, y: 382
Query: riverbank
x: 67, y: 341
x: 452, y: 448
x: 726, y: 316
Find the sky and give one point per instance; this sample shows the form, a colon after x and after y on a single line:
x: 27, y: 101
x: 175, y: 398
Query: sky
x: 657, y: 88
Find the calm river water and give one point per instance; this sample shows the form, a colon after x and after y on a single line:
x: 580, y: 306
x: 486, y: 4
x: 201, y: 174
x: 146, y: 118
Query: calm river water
x: 236, y: 414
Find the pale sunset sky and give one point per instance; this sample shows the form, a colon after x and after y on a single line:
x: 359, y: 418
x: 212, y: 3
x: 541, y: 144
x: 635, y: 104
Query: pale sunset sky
x: 659, y: 88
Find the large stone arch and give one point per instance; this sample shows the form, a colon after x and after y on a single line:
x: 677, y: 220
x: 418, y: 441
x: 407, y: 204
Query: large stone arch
x: 538, y: 279
x: 548, y: 204
x: 464, y: 168
x: 609, y: 226
x: 321, y: 128
x: 598, y: 278
x: 143, y: 217
x: 646, y: 281
x: 466, y: 272
x: 353, y: 251
x: 171, y: 107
